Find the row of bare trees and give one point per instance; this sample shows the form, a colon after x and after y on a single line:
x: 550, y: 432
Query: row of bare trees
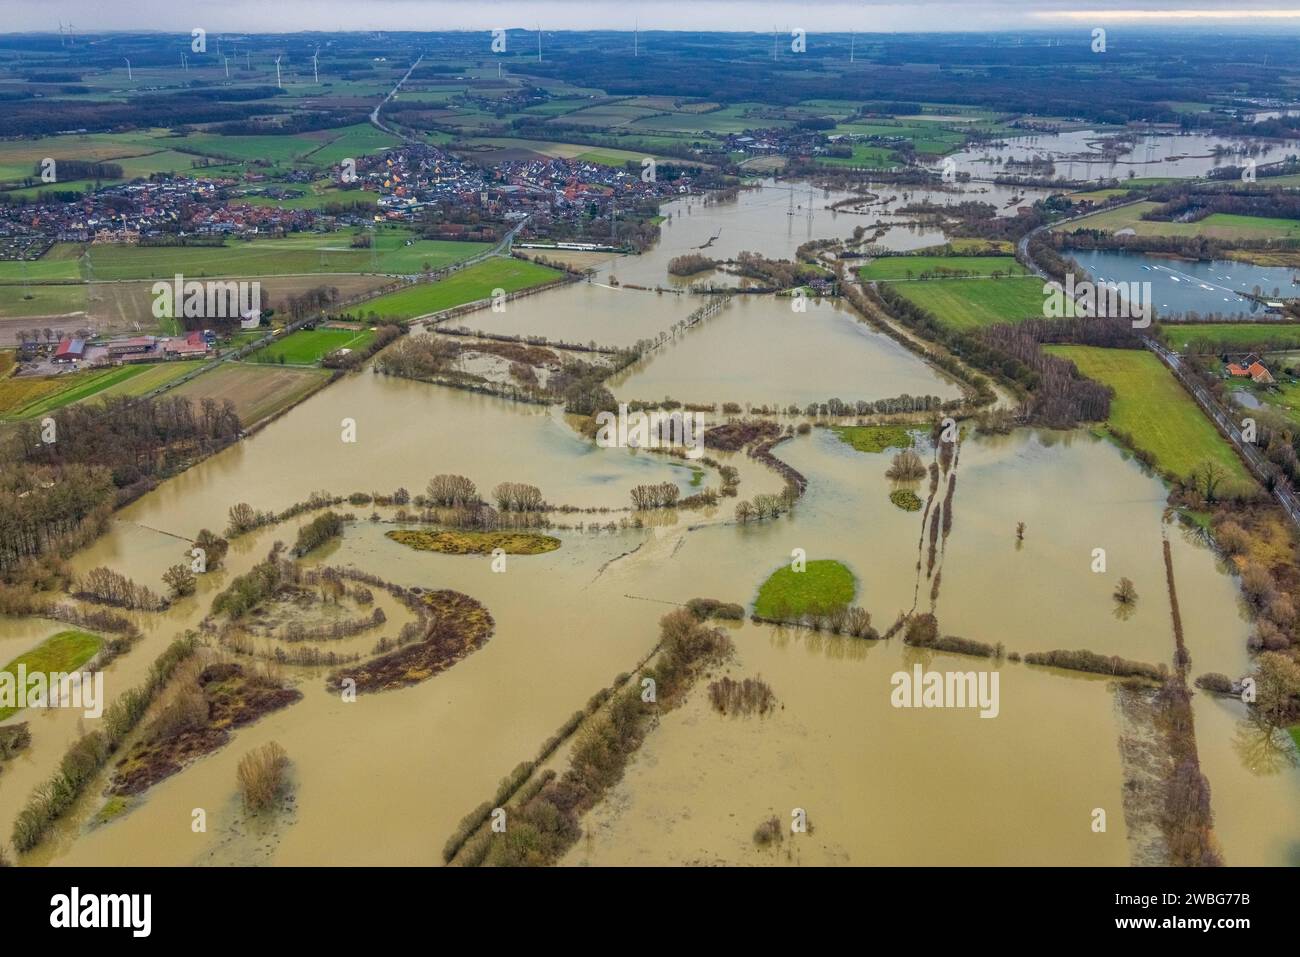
x: 661, y: 495
x: 452, y: 491
x: 108, y: 587
x: 766, y: 506
x: 518, y: 497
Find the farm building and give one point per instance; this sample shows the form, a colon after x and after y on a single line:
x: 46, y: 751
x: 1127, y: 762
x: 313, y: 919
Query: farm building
x: 1250, y: 367
x: 70, y: 350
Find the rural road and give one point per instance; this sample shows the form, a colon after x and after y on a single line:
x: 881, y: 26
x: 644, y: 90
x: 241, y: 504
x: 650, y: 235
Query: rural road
x: 1022, y: 247
x: 374, y: 114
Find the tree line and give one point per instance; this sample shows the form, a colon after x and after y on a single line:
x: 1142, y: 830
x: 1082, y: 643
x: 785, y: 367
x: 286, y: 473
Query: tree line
x: 138, y: 440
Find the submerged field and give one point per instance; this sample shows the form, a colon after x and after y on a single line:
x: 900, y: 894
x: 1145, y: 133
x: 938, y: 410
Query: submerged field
x: 999, y: 559
x: 587, y: 611
x: 821, y: 353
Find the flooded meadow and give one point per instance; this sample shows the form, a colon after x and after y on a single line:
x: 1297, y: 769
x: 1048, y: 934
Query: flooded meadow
x: 386, y: 778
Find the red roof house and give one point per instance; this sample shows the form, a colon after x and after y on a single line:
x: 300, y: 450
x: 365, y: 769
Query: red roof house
x: 69, y: 350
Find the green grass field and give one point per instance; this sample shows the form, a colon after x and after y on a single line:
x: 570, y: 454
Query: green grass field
x: 467, y: 285
x: 37, y: 299
x: 926, y: 136
x: 1154, y: 409
x: 870, y: 157
x: 60, y: 262
x: 277, y: 149
x: 65, y: 652
x: 874, y: 438
x: 1246, y: 336
x: 1097, y: 195
x: 973, y: 303
x: 823, y: 584
x: 734, y: 118
x: 18, y: 158
x: 352, y: 141
x: 1284, y: 397
x: 147, y: 378
x: 1214, y: 226
x: 318, y: 196
x: 88, y: 384
x: 891, y: 268
x: 309, y: 346
x: 299, y: 253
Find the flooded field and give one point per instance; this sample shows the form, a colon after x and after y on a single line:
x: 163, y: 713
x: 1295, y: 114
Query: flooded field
x: 880, y: 785
x: 1180, y: 286
x: 1153, y: 154
x: 386, y: 779
x: 759, y: 350
x: 406, y: 432
x: 773, y: 219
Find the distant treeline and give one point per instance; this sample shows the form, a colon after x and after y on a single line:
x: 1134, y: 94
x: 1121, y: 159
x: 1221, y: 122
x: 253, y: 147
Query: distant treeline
x: 47, y: 116
x: 69, y: 169
x: 292, y: 124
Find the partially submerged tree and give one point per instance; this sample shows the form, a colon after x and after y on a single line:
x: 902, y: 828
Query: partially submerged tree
x: 1277, y: 688
x: 906, y: 466
x: 1125, y: 593
x: 1207, y: 477
x: 180, y: 580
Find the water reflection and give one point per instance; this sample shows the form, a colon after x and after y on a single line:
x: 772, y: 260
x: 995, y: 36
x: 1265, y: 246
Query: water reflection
x: 1264, y: 748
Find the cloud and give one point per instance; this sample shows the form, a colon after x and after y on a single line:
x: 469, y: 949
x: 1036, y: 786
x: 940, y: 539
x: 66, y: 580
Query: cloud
x: 286, y: 16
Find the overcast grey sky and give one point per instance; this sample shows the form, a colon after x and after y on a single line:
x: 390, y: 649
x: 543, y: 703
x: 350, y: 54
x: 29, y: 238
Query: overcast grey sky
x: 829, y: 15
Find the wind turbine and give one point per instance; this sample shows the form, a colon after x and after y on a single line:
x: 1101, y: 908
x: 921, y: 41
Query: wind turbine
x: 129, y: 77
x: 184, y: 63
x: 539, y: 43
x: 277, y: 74
x: 314, y: 71
x: 226, y: 61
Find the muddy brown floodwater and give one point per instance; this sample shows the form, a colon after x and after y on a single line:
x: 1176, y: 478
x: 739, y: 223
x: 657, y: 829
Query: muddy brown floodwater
x: 386, y: 779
